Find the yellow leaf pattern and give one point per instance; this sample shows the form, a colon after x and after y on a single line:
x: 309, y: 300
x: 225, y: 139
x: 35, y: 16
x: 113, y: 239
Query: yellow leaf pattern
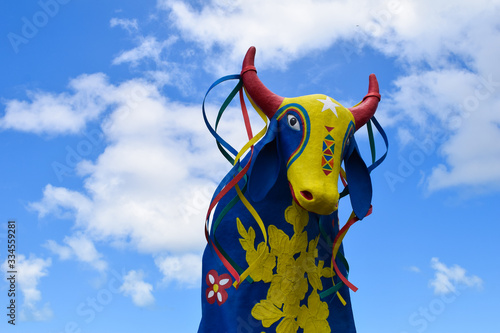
x: 266, y: 312
x: 313, y: 317
x: 289, y: 265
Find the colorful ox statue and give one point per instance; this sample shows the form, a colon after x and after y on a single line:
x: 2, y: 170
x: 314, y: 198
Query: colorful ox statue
x: 282, y: 278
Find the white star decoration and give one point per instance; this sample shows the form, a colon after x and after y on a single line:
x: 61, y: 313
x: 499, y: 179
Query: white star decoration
x: 328, y: 104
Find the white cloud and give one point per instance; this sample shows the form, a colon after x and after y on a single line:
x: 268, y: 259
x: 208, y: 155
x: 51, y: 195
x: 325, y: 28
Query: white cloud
x: 455, y: 122
x: 414, y: 269
x: 471, y: 157
x: 80, y: 247
x: 151, y: 186
x: 184, y: 269
x: 165, y: 72
x: 57, y: 200
x: 402, y: 28
x: 405, y: 136
x: 33, y: 313
x: 452, y: 90
x: 140, y: 291
x: 298, y: 27
x: 434, y: 31
x: 61, y: 113
x: 30, y: 271
x: 127, y: 24
x: 64, y: 252
x: 422, y: 96
x: 149, y: 48
x: 447, y: 279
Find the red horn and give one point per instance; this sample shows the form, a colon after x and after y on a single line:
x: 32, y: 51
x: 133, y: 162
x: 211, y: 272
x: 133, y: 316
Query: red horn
x: 266, y: 100
x: 366, y: 109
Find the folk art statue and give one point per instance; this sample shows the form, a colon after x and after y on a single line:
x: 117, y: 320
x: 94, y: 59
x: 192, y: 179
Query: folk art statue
x: 274, y: 261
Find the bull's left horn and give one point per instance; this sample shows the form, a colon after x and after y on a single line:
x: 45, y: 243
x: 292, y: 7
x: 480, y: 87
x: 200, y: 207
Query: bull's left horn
x: 265, y: 99
x: 366, y: 109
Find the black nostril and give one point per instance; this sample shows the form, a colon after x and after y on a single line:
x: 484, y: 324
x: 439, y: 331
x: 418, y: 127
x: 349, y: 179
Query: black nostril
x: 307, y: 195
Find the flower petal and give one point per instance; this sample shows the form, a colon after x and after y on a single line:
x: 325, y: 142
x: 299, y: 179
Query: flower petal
x: 210, y: 295
x: 219, y: 297
x: 225, y: 281
x: 212, y: 277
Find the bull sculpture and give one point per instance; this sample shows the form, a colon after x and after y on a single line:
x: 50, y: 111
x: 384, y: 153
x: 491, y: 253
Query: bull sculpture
x: 268, y: 265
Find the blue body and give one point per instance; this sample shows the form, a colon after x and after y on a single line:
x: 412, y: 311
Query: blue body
x: 235, y: 314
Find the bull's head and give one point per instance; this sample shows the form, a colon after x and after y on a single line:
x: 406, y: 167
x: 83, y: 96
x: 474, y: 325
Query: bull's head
x: 311, y: 135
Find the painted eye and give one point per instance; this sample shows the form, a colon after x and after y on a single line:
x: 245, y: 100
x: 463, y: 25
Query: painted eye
x: 293, y: 122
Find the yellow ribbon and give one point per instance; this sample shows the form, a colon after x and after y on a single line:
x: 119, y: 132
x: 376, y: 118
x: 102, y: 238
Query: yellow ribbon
x: 243, y: 199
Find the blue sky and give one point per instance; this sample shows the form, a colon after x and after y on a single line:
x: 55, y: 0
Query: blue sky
x: 108, y: 169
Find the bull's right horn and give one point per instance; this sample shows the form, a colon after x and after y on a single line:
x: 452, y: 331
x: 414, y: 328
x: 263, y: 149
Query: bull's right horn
x: 264, y: 98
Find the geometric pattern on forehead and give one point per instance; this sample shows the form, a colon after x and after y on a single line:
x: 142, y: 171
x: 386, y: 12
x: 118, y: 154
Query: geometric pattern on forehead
x: 328, y: 150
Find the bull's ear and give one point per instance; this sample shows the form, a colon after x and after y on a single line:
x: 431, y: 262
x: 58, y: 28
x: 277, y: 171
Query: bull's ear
x: 265, y: 166
x: 359, y: 182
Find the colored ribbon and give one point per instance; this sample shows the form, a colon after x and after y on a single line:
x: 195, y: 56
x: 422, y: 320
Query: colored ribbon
x: 236, y: 174
x: 353, y: 218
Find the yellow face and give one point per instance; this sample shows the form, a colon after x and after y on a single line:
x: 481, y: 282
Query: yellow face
x: 314, y: 131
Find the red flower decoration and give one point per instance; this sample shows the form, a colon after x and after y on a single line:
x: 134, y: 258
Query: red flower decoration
x: 216, y: 287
